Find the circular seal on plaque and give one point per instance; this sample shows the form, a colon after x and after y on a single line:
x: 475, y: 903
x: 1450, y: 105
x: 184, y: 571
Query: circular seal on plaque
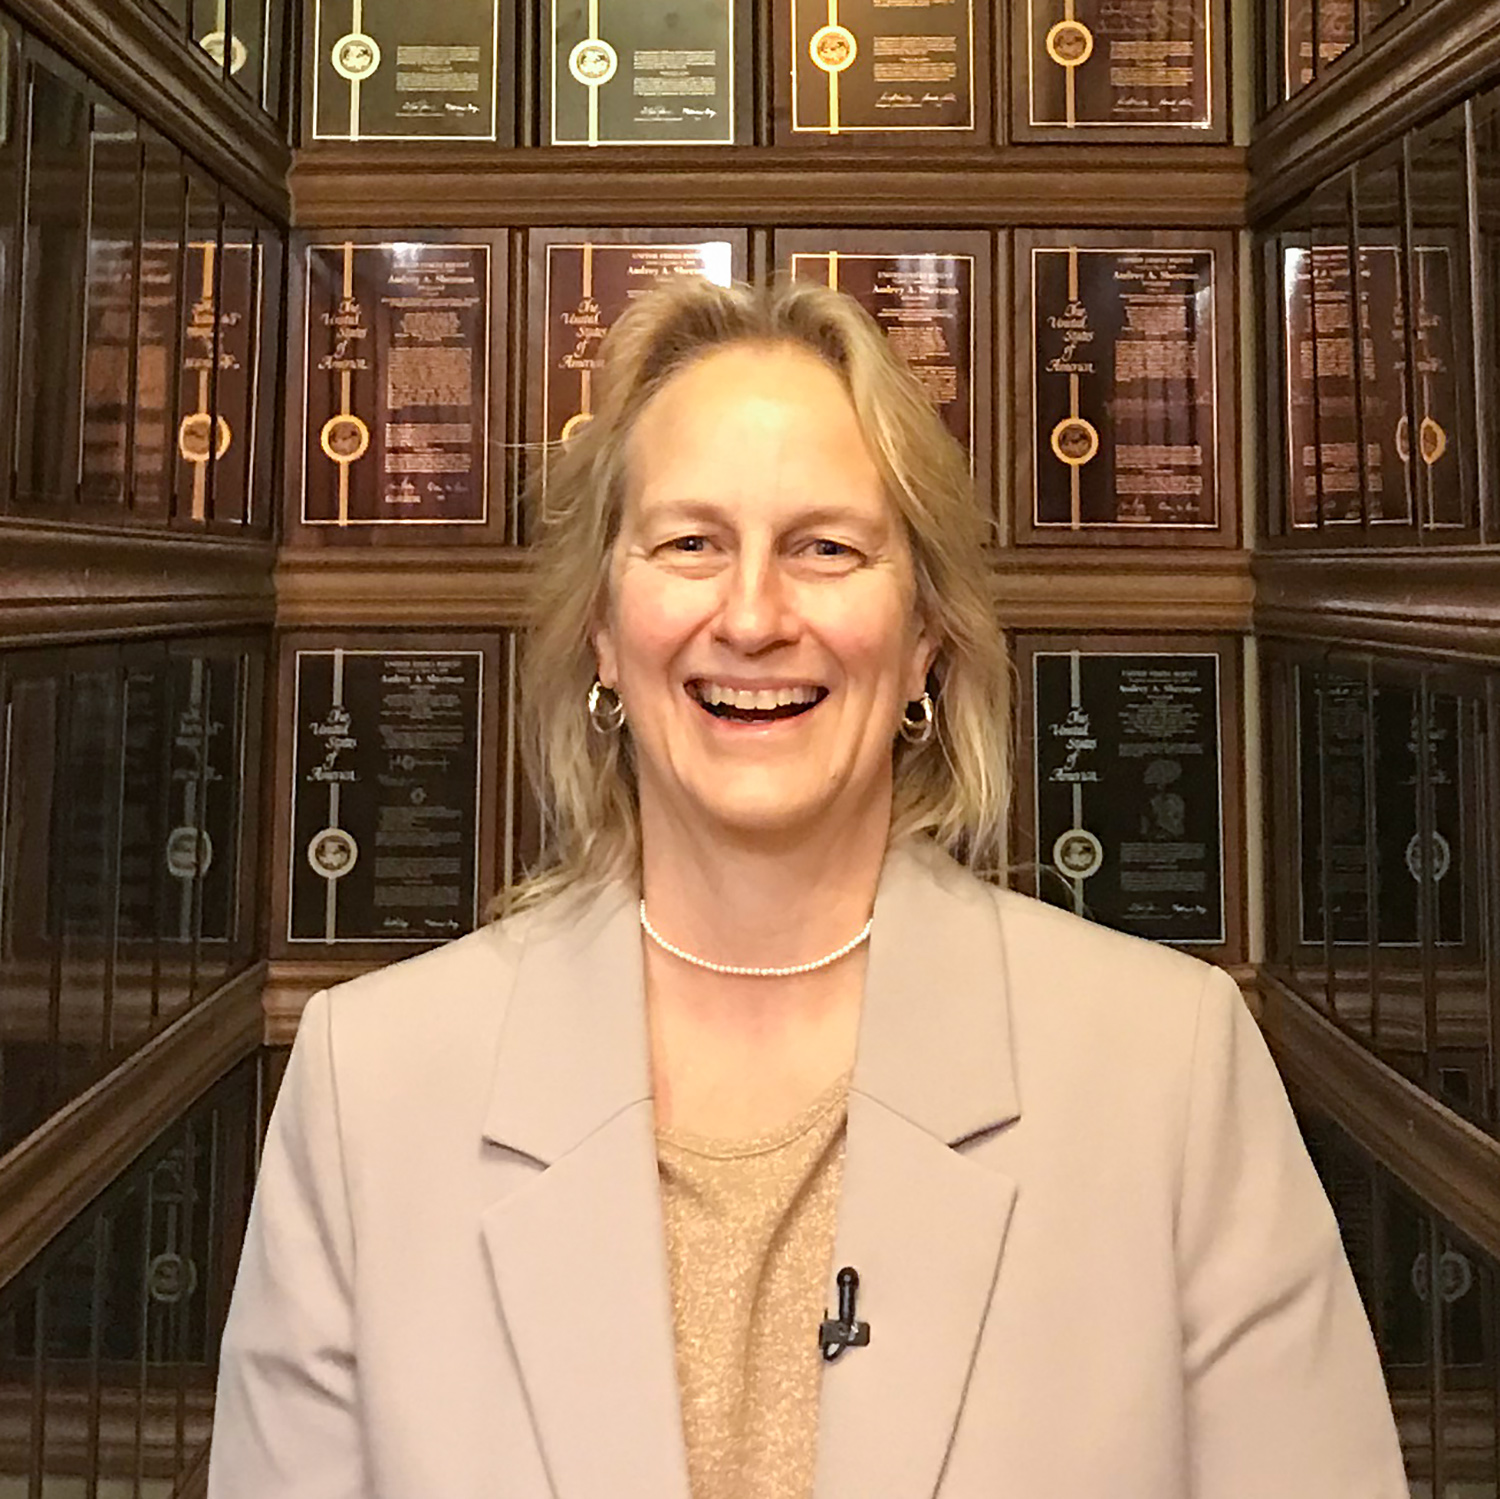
x: 1078, y: 854
x: 593, y: 61
x: 1075, y: 441
x: 355, y: 56
x: 1432, y: 440
x: 1070, y: 44
x: 190, y: 852
x: 833, y: 48
x: 344, y: 438
x: 1455, y: 1276
x: 1442, y: 856
x: 332, y: 853
x: 213, y: 44
x: 193, y: 437
x: 575, y: 424
x: 171, y: 1278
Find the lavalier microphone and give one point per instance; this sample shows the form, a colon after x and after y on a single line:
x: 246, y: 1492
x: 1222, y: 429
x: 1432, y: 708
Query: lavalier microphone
x: 844, y: 1331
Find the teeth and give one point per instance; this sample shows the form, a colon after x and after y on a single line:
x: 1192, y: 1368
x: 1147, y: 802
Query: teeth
x: 764, y: 700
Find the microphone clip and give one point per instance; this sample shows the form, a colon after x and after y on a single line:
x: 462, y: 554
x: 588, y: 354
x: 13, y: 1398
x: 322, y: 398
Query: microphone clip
x: 844, y: 1331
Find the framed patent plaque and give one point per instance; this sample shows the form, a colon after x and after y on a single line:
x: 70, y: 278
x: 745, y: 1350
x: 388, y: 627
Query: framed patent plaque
x: 398, y: 399
x: 1316, y: 33
x: 1130, y: 784
x: 389, y: 768
x: 1350, y: 454
x: 1125, y: 353
x: 930, y: 294
x: 220, y: 376
x: 916, y: 72
x: 382, y: 70
x: 1359, y: 857
x: 1120, y: 69
x: 623, y: 73
x: 579, y: 282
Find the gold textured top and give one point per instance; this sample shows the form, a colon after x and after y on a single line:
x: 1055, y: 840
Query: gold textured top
x: 749, y: 1229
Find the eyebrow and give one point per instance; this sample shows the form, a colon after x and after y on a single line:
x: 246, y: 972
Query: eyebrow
x: 818, y: 515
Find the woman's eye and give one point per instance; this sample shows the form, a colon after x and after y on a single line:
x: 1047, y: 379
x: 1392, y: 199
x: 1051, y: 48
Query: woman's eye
x: 689, y: 544
x: 825, y: 547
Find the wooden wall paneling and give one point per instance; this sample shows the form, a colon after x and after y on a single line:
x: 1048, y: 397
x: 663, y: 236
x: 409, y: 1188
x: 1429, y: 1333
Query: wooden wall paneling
x: 784, y: 187
x: 1404, y: 73
x: 1003, y: 430
x: 1432, y: 605
x: 133, y: 54
x: 56, y: 1172
x: 1450, y: 1164
x: 931, y: 294
x: 1082, y: 71
x: 357, y: 85
x: 365, y: 308
x: 386, y: 791
x: 1140, y: 765
x: 66, y: 583
x: 1120, y: 278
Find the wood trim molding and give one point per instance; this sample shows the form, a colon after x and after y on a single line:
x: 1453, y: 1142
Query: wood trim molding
x: 1441, y: 605
x: 403, y: 587
x: 62, y: 583
x: 1146, y: 589
x: 1447, y: 1162
x: 1036, y: 588
x: 130, y: 51
x: 53, y: 1174
x: 1402, y: 76
x: 405, y: 187
x: 292, y: 982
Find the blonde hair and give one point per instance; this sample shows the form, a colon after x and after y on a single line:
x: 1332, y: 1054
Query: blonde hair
x: 955, y: 786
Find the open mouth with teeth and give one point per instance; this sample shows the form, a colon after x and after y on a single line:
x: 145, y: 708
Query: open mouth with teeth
x: 762, y: 705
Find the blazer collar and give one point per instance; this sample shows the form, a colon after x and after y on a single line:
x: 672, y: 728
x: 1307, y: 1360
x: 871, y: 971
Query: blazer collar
x: 934, y: 1037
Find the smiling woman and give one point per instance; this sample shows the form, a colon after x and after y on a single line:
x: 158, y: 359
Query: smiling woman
x: 728, y: 421
x: 760, y: 1150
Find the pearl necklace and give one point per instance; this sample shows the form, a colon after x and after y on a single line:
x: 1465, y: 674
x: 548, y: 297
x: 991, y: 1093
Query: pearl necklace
x: 735, y: 971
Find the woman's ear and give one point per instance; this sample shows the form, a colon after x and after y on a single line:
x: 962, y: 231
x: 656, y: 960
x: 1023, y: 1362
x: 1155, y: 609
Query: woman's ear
x: 924, y: 653
x: 606, y: 663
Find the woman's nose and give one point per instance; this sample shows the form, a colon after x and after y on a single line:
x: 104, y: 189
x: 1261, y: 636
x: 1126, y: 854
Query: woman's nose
x: 756, y: 611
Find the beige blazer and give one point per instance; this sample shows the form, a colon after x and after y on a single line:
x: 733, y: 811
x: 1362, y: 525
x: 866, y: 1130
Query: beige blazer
x: 1094, y: 1256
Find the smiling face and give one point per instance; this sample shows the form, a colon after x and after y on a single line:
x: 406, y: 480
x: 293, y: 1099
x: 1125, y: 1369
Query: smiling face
x: 761, y: 627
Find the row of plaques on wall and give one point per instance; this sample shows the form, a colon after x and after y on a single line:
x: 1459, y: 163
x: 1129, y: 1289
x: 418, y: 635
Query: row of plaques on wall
x: 1123, y: 353
x: 643, y: 73
x: 401, y: 818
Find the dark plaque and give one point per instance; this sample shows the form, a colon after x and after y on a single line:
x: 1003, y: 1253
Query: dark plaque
x: 215, y: 391
x: 180, y: 843
x: 1125, y: 390
x: 385, y: 795
x: 110, y: 293
x: 1349, y: 430
x: 925, y: 306
x: 239, y: 52
x: 861, y: 66
x: 1128, y: 791
x: 396, y: 402
x: 1344, y: 728
x: 580, y: 288
x: 1122, y: 64
x: 387, y: 70
x: 1336, y: 25
x: 624, y: 73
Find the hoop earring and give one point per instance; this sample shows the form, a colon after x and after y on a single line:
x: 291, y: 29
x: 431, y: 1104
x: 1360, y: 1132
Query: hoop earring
x: 919, y: 730
x: 606, y: 717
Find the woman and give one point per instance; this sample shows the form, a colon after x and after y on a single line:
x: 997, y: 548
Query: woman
x: 567, y: 1207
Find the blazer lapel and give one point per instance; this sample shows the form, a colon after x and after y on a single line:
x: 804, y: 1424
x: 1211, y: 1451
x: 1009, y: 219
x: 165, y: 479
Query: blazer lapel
x: 578, y: 1252
x: 923, y: 1224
